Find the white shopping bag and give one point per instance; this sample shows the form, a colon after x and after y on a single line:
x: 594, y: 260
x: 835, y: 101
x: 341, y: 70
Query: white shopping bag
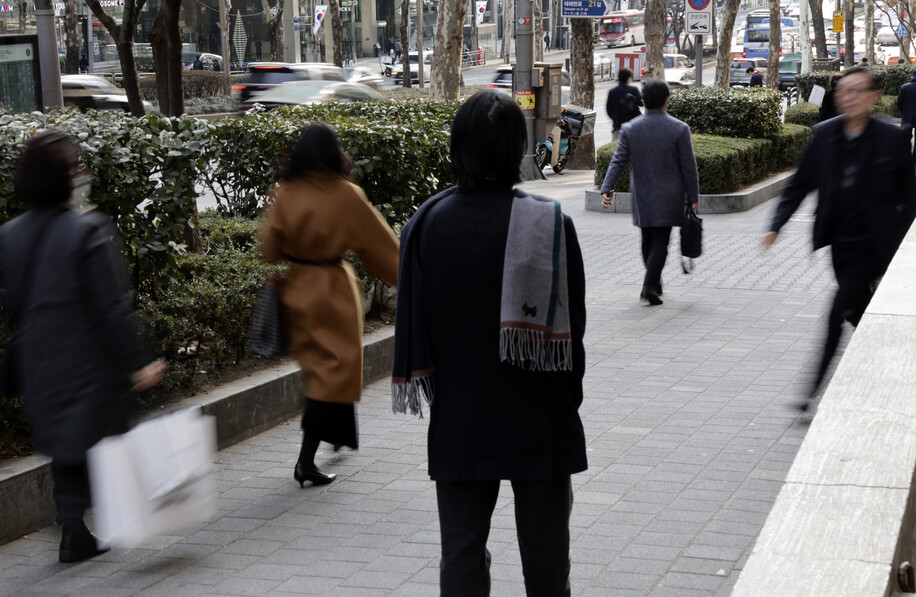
x: 154, y: 479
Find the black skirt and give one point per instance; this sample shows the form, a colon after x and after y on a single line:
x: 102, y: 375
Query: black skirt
x: 331, y: 422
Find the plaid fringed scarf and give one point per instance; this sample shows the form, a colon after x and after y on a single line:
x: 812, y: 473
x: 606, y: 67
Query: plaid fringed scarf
x: 534, y: 314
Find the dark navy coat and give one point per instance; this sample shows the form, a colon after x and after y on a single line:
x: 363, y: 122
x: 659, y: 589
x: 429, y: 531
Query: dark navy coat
x: 78, y: 345
x: 490, y: 420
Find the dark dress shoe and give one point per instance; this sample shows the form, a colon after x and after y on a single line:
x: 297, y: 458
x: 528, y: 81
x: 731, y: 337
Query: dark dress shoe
x: 77, y: 543
x: 651, y: 297
x: 311, y: 473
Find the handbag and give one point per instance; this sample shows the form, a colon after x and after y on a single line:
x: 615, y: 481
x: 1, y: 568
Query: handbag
x: 154, y: 479
x: 266, y: 337
x: 691, y: 239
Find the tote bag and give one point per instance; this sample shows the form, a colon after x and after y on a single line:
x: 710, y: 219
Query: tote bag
x: 691, y: 239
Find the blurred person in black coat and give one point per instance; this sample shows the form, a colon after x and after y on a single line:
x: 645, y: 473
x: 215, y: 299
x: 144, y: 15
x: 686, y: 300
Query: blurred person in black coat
x: 866, y: 200
x: 623, y: 102
x: 492, y: 417
x: 78, y: 353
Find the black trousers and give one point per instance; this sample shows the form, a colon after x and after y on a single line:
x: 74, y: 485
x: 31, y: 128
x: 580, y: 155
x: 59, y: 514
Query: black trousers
x: 654, y: 254
x: 857, y: 275
x: 71, y: 491
x: 542, y: 510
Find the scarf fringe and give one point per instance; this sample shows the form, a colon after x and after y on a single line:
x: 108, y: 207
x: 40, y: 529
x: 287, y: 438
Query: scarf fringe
x: 406, y: 396
x: 534, y: 350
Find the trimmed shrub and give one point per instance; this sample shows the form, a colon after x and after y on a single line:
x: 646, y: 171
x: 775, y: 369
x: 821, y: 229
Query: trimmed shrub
x: 888, y: 78
x: 747, y: 112
x: 197, y: 83
x: 887, y: 105
x: 804, y: 114
x: 788, y: 145
x: 399, y: 151
x: 725, y: 164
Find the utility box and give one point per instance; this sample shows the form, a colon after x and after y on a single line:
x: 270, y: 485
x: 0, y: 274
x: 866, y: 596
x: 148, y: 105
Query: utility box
x: 829, y: 65
x: 548, y: 96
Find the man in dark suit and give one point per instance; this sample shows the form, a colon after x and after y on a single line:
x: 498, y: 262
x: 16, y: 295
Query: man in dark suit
x: 623, y: 102
x: 906, y: 101
x: 862, y: 171
x: 663, y: 180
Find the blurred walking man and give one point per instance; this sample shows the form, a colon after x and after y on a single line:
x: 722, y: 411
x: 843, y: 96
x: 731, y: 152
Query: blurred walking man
x: 663, y: 180
x: 863, y: 174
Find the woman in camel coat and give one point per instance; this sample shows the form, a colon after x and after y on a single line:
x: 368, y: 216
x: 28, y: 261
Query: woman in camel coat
x: 317, y: 215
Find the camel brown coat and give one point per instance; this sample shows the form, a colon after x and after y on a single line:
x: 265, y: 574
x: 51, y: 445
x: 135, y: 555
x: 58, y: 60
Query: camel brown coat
x: 318, y: 218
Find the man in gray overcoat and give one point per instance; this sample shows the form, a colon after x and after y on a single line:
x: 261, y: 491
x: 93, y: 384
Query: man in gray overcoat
x: 663, y: 180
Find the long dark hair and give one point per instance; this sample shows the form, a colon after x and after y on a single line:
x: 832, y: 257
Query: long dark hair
x: 44, y: 170
x: 489, y: 139
x: 317, y: 150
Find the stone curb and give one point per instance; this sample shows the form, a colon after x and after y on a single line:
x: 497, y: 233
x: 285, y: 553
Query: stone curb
x: 243, y: 408
x: 709, y: 204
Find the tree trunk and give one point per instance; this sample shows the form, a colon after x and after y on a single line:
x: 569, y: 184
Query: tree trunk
x: 123, y: 37
x: 160, y: 43
x: 655, y: 39
x: 508, y: 29
x: 336, y: 32
x: 72, y: 25
x: 446, y: 67
x: 582, y: 155
x: 772, y: 77
x: 537, y: 14
x: 405, y: 42
x: 274, y: 29
x: 175, y: 63
x: 817, y: 19
x: 849, y: 33
x: 869, y: 28
x: 726, y: 31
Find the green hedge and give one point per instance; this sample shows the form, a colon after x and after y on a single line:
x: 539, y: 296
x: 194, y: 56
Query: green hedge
x: 197, y: 83
x: 804, y: 114
x: 725, y: 164
x: 747, y: 112
x: 399, y: 150
x: 888, y: 79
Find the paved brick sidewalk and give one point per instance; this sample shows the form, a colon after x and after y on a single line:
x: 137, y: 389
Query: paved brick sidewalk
x: 689, y: 435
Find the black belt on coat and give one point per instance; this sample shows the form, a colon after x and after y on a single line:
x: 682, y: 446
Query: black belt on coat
x: 312, y: 261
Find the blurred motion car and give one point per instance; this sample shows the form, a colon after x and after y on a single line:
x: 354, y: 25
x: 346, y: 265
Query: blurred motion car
x: 207, y: 61
x: 91, y: 92
x: 678, y: 71
x: 789, y: 67
x: 300, y: 93
x: 366, y: 76
x: 502, y: 79
x: 397, y: 69
x: 262, y: 76
x: 886, y: 36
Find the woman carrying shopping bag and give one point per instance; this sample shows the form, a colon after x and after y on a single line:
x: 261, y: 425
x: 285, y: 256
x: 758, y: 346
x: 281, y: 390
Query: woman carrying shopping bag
x: 318, y: 214
x: 77, y: 353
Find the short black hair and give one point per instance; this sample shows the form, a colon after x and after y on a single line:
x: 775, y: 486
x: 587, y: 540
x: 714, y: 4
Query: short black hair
x: 624, y: 75
x: 45, y: 168
x: 317, y: 150
x: 749, y: 69
x: 858, y: 69
x: 489, y: 139
x: 834, y: 79
x: 654, y: 94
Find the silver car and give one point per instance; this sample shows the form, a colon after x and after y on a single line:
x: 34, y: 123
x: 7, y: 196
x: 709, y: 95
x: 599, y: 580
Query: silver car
x: 366, y: 76
x: 738, y: 69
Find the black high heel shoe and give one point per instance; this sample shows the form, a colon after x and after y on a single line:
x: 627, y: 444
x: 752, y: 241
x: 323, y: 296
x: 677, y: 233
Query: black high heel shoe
x: 311, y: 473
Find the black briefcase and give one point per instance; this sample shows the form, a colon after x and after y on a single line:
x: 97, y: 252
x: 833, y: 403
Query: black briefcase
x: 691, y: 239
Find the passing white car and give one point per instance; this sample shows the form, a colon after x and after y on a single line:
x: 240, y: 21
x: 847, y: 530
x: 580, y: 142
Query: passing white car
x: 886, y: 36
x: 679, y: 71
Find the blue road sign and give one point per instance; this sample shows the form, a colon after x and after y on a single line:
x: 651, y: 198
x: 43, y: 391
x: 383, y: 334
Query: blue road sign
x: 583, y: 8
x: 901, y: 31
